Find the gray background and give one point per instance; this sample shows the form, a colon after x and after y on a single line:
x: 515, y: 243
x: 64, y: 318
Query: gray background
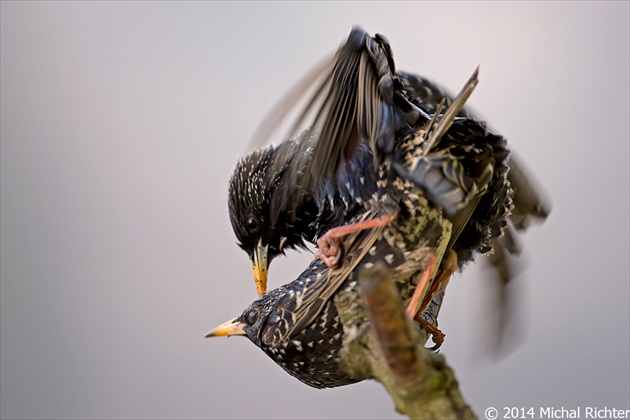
x: 121, y: 123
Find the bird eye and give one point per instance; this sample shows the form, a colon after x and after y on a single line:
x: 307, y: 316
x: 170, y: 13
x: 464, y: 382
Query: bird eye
x: 252, y: 316
x: 252, y: 223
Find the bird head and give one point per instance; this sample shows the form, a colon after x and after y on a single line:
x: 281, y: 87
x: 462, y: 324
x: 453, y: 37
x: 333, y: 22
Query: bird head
x: 253, y: 214
x: 254, y: 321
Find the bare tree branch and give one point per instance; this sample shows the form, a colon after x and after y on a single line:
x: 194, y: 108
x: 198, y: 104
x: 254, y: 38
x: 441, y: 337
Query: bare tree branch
x: 390, y: 348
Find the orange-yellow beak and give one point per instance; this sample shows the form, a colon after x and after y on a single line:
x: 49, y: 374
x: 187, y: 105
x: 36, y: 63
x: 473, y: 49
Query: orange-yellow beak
x: 260, y: 265
x: 227, y: 329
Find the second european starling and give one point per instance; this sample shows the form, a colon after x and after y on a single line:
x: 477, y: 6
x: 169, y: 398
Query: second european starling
x: 298, y: 324
x: 282, y: 196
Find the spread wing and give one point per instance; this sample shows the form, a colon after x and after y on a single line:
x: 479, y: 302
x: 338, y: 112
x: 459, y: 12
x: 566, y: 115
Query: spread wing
x: 357, y: 98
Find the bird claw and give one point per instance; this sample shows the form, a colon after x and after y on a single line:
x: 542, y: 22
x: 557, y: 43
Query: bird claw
x: 438, y: 338
x: 329, y: 251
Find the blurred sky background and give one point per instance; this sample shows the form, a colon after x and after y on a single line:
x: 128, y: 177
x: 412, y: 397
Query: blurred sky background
x: 121, y: 124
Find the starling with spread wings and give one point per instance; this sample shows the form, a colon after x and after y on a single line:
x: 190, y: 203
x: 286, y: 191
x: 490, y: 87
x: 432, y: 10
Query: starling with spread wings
x: 282, y: 196
x: 298, y: 324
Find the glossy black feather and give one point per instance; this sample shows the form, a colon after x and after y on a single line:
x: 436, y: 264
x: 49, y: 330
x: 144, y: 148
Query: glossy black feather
x: 367, y: 107
x: 267, y: 185
x: 298, y: 325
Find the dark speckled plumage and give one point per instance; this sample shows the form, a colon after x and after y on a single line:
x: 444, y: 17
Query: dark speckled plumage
x: 308, y: 211
x: 276, y: 200
x: 298, y: 325
x: 312, y: 354
x: 379, y: 145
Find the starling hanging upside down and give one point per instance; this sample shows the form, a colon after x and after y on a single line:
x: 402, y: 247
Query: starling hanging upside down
x: 298, y: 324
x: 392, y: 171
x: 284, y: 196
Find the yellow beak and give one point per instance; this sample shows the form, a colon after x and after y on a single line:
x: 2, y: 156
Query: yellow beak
x: 260, y: 265
x: 229, y: 328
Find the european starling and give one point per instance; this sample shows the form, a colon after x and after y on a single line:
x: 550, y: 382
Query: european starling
x: 267, y: 224
x: 310, y: 351
x: 298, y: 325
x: 280, y: 197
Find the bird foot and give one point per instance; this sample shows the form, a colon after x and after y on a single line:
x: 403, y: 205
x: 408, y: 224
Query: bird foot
x: 329, y: 250
x: 330, y: 244
x: 437, y: 336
